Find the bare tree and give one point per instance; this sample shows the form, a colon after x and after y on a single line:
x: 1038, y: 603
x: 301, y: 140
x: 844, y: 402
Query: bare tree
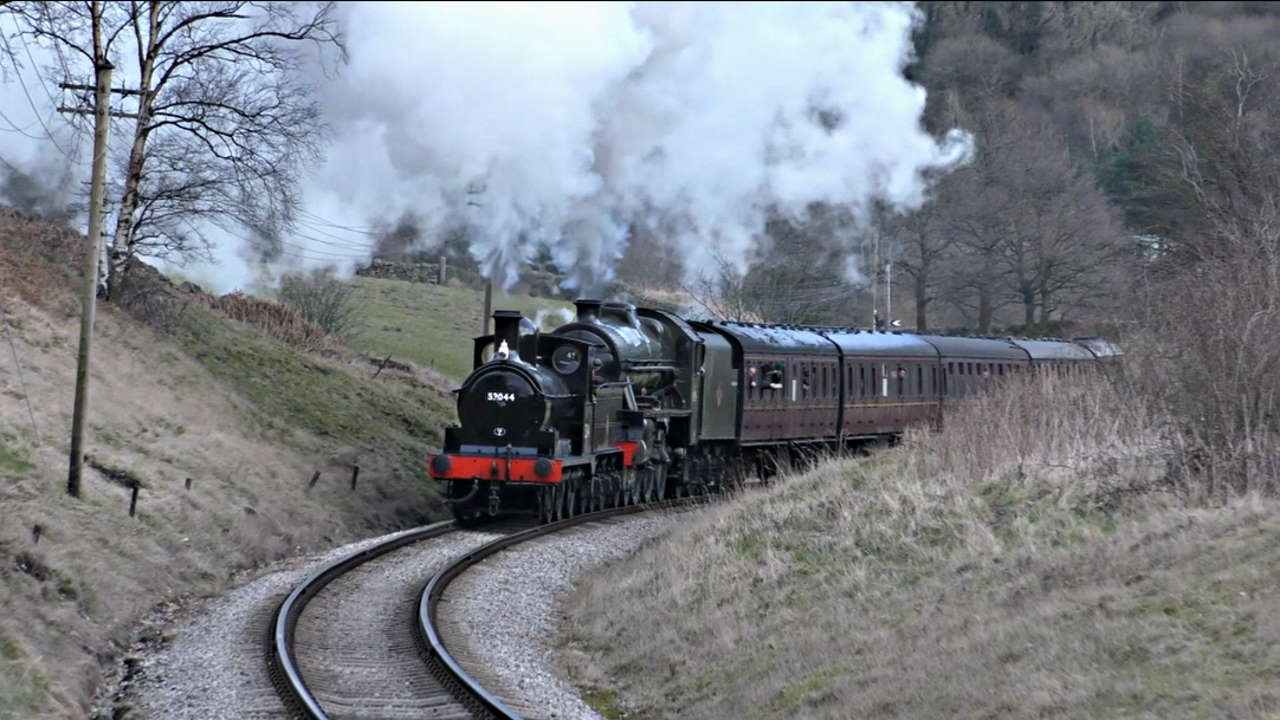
x: 719, y: 291
x: 923, y: 247
x: 224, y: 120
x: 1060, y: 233
x: 972, y: 207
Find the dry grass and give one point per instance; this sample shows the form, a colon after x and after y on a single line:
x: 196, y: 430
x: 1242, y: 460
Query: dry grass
x: 248, y: 418
x: 285, y: 323
x: 1038, y: 558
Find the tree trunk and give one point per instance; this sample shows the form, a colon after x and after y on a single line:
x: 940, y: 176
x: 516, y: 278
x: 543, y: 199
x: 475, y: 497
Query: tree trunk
x: 985, y: 310
x: 1028, y: 306
x: 1044, y: 305
x: 122, y: 242
x: 922, y: 303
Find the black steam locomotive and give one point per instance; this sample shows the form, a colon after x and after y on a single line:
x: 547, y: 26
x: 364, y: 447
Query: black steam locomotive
x: 627, y: 405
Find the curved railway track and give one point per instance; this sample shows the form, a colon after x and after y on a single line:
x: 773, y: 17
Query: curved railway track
x: 396, y: 664
x: 341, y: 644
x: 432, y: 594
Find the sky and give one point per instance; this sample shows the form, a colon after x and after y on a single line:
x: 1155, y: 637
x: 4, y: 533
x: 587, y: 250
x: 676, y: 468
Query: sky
x: 566, y: 125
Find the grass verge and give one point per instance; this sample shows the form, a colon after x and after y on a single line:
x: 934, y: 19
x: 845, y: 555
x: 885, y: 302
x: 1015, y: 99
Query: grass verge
x: 397, y: 418
x: 1032, y: 560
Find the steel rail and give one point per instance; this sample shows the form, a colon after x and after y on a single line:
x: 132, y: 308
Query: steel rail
x: 293, y: 690
x: 434, y: 590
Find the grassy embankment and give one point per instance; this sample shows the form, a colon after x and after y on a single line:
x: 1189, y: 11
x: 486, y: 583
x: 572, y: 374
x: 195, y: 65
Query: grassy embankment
x: 399, y: 315
x: 248, y: 418
x: 1038, y: 558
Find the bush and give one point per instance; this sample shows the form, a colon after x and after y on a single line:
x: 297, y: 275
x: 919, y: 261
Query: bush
x: 1210, y: 356
x: 285, y: 323
x: 324, y: 299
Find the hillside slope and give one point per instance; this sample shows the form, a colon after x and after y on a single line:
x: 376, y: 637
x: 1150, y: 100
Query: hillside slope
x: 1036, y: 559
x: 248, y: 419
x: 397, y: 315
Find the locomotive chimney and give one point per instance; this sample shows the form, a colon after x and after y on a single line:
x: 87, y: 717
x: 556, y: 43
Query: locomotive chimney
x: 588, y: 310
x: 506, y: 328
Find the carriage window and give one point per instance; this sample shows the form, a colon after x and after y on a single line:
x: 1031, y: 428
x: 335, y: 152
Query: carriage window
x: 919, y: 389
x: 774, y: 375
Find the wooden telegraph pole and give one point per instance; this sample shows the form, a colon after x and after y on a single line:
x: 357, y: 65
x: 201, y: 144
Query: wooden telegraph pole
x: 88, y: 299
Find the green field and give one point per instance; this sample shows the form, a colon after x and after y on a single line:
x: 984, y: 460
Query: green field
x: 430, y: 325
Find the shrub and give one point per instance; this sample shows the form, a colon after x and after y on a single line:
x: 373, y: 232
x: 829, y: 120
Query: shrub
x: 283, y: 322
x: 324, y: 299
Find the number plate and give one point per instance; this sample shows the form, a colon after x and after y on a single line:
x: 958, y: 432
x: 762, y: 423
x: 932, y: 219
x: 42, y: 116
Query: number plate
x: 502, y: 397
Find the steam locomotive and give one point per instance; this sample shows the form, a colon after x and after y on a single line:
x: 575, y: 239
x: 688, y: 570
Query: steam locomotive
x: 626, y: 405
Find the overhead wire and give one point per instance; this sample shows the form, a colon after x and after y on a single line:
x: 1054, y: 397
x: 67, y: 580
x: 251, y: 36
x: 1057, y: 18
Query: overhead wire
x: 363, y: 230
x: 319, y: 229
x: 296, y: 250
x: 17, y: 364
x: 13, y: 127
x: 25, y: 91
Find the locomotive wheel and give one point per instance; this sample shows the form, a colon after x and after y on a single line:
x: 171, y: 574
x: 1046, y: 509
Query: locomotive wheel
x: 566, y: 502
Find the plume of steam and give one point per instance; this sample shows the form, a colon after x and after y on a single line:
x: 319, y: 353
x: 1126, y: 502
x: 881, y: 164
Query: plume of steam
x: 41, y: 191
x: 548, y: 320
x: 560, y: 126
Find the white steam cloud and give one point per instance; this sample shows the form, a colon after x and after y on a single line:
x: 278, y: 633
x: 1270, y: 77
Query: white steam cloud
x: 561, y: 125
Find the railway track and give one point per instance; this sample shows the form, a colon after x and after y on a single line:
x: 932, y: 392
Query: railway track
x: 433, y: 594
x: 359, y: 637
x: 341, y: 644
